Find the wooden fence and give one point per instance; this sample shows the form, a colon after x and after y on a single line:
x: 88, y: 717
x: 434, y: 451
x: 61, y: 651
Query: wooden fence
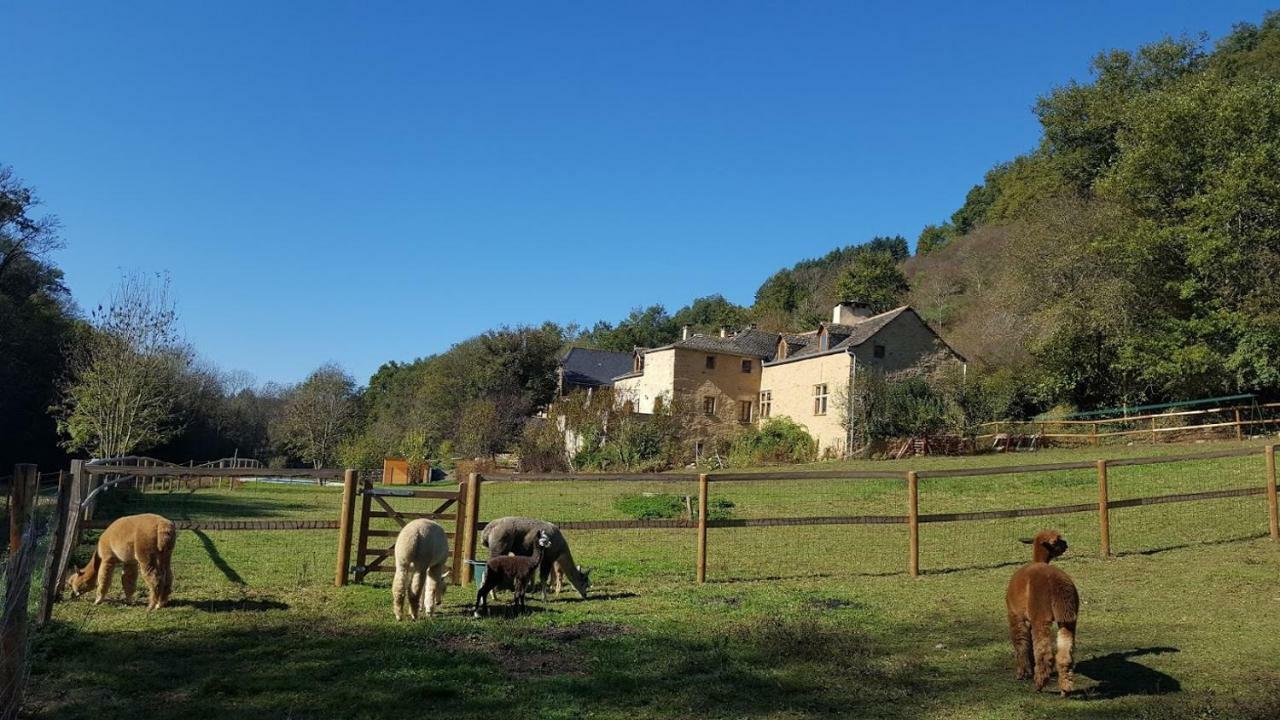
x: 911, y: 516
x: 1239, y: 420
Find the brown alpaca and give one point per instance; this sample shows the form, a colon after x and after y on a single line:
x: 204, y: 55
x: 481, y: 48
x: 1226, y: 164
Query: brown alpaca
x: 137, y: 542
x: 1038, y: 596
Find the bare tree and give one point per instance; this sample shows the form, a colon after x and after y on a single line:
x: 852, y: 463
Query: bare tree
x: 22, y: 237
x: 317, y: 415
x: 126, y: 386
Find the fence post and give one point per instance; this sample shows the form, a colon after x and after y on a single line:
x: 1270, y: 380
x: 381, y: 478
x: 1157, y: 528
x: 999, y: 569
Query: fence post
x: 61, y: 519
x: 472, y: 520
x: 13, y: 629
x: 1239, y: 432
x: 1094, y: 433
x: 1153, y: 429
x: 344, y: 527
x: 913, y: 523
x: 1104, y: 514
x: 702, y: 528
x: 1271, y: 492
x: 22, y: 496
x: 459, y: 525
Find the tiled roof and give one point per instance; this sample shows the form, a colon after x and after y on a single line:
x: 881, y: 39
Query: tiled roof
x: 748, y: 343
x: 584, y: 366
x: 842, y: 337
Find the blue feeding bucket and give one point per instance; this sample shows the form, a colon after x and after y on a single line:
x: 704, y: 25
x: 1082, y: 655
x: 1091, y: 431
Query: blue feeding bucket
x: 477, y: 571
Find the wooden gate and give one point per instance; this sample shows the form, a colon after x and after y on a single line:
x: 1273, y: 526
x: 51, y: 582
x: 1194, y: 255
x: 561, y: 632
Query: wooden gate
x: 381, y: 557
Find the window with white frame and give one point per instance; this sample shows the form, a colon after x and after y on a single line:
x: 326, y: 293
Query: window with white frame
x: 820, y: 399
x: 744, y: 410
x: 766, y: 403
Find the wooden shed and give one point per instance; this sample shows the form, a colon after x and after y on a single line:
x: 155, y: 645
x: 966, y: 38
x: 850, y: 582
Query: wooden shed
x: 395, y: 471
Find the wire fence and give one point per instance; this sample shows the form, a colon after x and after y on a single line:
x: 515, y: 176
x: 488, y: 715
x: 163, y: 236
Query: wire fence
x: 780, y: 524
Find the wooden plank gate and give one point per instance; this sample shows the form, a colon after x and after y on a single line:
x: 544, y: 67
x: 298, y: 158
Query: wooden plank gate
x: 381, y: 557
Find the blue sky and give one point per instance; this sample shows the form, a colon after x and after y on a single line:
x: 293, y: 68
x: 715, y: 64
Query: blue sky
x: 362, y: 182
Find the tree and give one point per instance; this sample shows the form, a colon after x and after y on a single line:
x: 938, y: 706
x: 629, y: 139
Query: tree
x: 317, y: 415
x: 932, y: 237
x: 873, y: 278
x: 480, y: 429
x: 709, y: 314
x: 125, y: 388
x: 643, y: 327
x: 37, y: 324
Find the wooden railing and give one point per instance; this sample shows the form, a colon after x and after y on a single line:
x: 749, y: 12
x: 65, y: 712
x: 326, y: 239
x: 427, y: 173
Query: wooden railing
x: 1094, y: 431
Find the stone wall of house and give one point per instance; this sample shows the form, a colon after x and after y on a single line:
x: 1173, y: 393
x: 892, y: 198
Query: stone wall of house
x: 906, y: 341
x: 657, y: 381
x: 791, y: 386
x: 727, y: 382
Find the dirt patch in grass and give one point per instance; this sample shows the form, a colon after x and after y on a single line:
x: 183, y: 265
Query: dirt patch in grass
x: 830, y: 603
x: 526, y: 655
x: 589, y: 629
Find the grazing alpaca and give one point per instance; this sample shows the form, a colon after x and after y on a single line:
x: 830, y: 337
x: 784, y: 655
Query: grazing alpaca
x: 511, y: 572
x: 1038, y: 596
x: 519, y: 535
x: 134, y: 541
x: 422, y: 555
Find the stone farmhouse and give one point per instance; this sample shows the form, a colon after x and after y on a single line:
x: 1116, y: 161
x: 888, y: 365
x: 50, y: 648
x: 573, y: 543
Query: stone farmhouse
x: 752, y: 374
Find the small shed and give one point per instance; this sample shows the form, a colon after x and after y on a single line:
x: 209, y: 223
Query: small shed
x: 395, y: 471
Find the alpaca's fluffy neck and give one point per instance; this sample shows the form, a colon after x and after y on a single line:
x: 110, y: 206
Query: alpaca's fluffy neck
x: 1041, y: 554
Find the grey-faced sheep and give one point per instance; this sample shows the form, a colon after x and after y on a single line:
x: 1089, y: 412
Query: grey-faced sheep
x: 137, y: 542
x: 511, y: 572
x: 1038, y: 596
x: 422, y: 558
x: 519, y: 535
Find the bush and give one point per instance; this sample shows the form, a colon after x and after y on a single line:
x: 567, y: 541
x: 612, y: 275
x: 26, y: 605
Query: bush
x: 541, y: 447
x: 650, y: 506
x: 776, y: 440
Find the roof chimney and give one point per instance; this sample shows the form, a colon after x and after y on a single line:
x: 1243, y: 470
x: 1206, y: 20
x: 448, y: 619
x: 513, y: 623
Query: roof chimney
x: 724, y: 331
x: 684, y: 333
x: 850, y: 312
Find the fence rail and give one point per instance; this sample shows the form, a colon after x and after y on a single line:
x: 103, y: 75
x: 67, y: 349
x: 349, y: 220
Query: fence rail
x: 1241, y: 417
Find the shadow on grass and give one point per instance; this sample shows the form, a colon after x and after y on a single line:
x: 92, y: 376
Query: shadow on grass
x: 1118, y: 676
x: 311, y: 666
x: 223, y: 566
x: 226, y: 606
x: 1184, y: 546
x: 200, y: 506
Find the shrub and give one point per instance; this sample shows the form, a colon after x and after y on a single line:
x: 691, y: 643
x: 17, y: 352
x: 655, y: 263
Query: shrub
x: 659, y: 506
x: 777, y: 440
x: 541, y: 447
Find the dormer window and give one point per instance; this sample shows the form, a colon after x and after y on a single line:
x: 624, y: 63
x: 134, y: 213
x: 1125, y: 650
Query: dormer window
x: 782, y: 348
x: 824, y: 340
x: 637, y: 364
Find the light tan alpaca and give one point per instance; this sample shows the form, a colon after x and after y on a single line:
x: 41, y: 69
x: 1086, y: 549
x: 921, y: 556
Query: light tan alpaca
x: 137, y: 542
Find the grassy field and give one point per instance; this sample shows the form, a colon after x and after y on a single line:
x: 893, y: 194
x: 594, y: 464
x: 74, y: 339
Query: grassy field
x: 796, y: 622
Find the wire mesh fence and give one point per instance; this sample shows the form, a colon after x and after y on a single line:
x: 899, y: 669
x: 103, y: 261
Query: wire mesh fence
x: 617, y: 527
x: 764, y: 528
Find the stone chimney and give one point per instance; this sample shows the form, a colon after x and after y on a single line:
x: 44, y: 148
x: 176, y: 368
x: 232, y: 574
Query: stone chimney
x: 684, y: 332
x: 850, y: 312
x: 724, y: 331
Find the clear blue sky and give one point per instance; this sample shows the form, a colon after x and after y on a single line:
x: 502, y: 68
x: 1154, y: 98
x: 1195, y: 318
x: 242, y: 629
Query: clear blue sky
x: 360, y: 183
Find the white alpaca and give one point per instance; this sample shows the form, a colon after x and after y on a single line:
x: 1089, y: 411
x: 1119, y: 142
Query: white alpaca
x: 422, y: 556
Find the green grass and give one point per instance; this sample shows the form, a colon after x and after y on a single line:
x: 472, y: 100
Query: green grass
x: 795, y: 622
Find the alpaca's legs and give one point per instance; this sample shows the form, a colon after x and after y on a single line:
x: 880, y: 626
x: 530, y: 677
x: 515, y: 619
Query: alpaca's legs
x: 154, y: 577
x: 129, y: 581
x: 1066, y: 655
x: 1020, y: 636
x: 559, y: 577
x: 397, y: 594
x: 1042, y: 643
x: 104, y: 578
x: 415, y: 592
x: 424, y: 593
x: 543, y: 572
x: 166, y: 581
x: 482, y: 599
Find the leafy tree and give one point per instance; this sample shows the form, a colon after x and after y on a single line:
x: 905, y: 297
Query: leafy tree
x: 709, y: 314
x: 317, y: 416
x: 126, y: 386
x: 37, y: 324
x: 932, y: 237
x: 643, y: 327
x: 873, y: 278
